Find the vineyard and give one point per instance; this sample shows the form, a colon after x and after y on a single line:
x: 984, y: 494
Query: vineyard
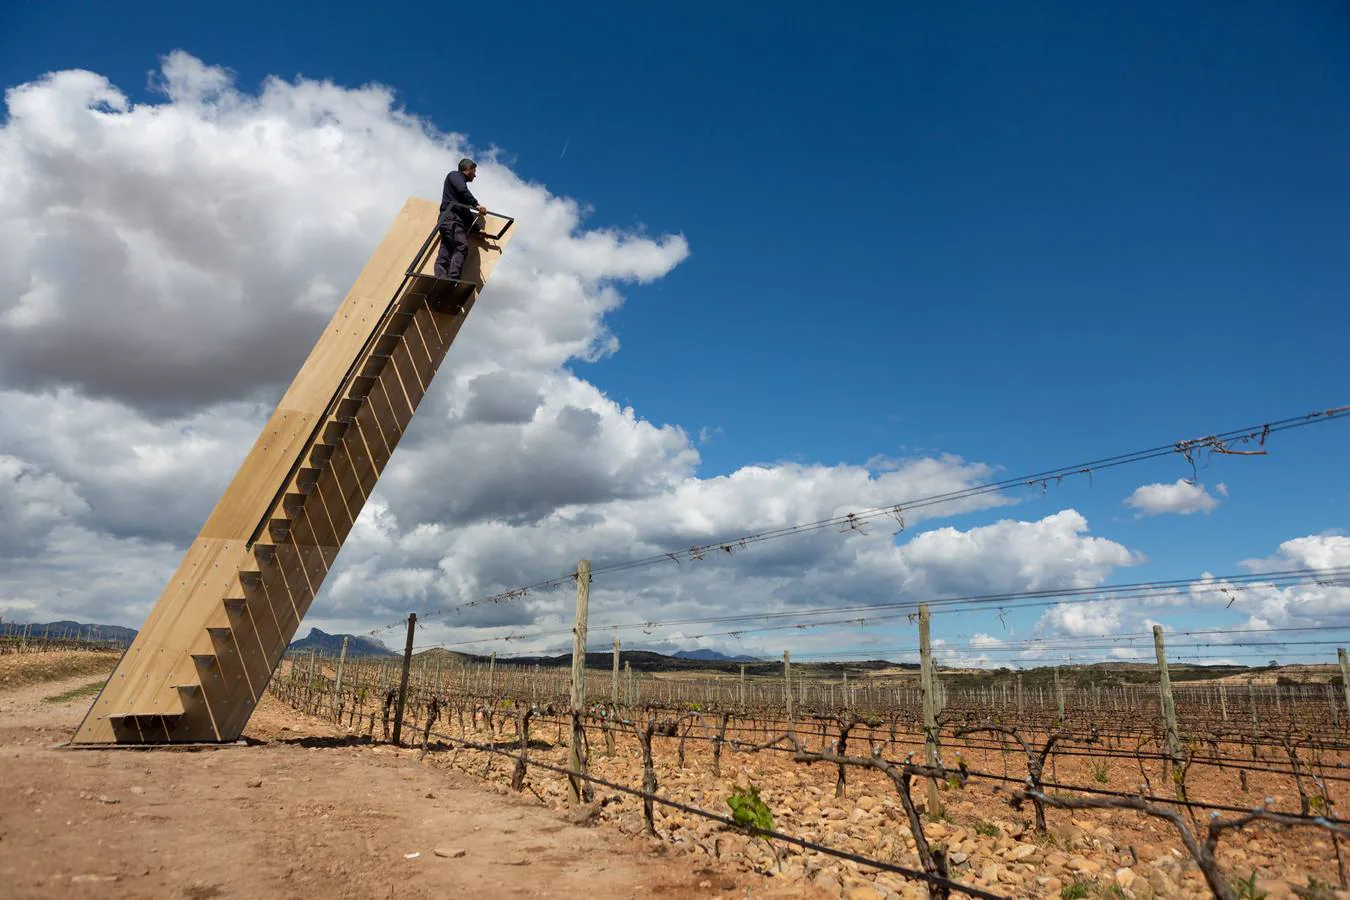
x: 14, y: 644
x: 893, y: 783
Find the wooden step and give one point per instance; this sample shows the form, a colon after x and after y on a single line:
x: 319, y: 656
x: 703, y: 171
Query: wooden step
x: 264, y: 553
x: 400, y: 319
x: 145, y: 721
x: 235, y: 606
x: 189, y: 691
x: 154, y: 725
x: 250, y: 579
x: 306, y: 478
x: 374, y: 365
x: 160, y: 703
x: 385, y: 345
x: 292, y: 504
x: 361, y: 386
x: 142, y: 715
x: 334, y: 430
x: 442, y: 294
x: 346, y: 409
x: 320, y: 454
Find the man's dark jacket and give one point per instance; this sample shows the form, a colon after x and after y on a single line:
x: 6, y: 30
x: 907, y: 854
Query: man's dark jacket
x: 457, y: 191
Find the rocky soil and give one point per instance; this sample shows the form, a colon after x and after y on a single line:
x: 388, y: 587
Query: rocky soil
x: 307, y: 809
x: 1098, y: 853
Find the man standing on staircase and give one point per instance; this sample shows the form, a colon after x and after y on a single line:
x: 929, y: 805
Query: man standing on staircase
x: 457, y: 219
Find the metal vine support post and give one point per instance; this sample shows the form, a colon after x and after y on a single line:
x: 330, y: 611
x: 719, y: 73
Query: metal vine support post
x: 403, y: 678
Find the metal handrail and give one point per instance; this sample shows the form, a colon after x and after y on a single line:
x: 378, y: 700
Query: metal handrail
x: 420, y: 259
x: 510, y: 220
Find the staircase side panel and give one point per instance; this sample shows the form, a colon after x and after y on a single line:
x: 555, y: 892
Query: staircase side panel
x: 154, y: 644
x: 193, y: 598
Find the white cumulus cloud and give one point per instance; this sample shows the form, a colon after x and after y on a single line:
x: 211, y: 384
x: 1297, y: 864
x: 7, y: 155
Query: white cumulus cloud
x: 1054, y: 552
x: 1319, y: 601
x: 1181, y: 498
x: 1083, y: 619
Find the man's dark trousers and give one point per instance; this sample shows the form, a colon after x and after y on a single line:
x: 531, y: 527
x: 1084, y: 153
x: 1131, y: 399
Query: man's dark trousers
x: 454, y: 247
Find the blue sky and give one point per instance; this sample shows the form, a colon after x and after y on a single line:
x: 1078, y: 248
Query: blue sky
x: 1028, y: 237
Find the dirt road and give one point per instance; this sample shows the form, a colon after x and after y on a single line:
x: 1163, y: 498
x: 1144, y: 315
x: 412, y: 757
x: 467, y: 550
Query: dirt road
x: 301, y: 812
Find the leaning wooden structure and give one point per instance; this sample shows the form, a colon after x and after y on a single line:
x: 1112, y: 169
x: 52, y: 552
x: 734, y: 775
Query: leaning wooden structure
x: 200, y: 663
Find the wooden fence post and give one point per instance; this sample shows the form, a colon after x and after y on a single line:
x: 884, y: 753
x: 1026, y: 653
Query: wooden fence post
x: 309, y: 680
x: 929, y: 707
x: 787, y: 687
x: 1165, y: 686
x: 337, y: 688
x: 403, y: 679
x: 1345, y: 679
x: 576, y: 758
x: 614, y: 676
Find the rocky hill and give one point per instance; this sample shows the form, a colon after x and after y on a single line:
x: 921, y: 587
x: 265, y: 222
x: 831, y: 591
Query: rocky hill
x: 324, y: 642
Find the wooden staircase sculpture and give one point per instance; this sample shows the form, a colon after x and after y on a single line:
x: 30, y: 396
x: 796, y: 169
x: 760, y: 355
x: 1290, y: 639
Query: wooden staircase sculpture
x: 204, y: 656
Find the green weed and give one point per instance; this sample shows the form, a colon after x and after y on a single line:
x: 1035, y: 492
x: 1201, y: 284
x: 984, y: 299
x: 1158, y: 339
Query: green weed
x: 87, y: 690
x: 1246, y: 888
x: 748, y: 809
x: 1078, y: 889
x: 1316, y: 890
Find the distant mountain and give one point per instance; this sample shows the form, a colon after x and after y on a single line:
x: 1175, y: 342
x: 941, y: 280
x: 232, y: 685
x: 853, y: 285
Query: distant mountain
x: 442, y: 655
x: 67, y: 628
x: 713, y: 655
x: 324, y: 642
